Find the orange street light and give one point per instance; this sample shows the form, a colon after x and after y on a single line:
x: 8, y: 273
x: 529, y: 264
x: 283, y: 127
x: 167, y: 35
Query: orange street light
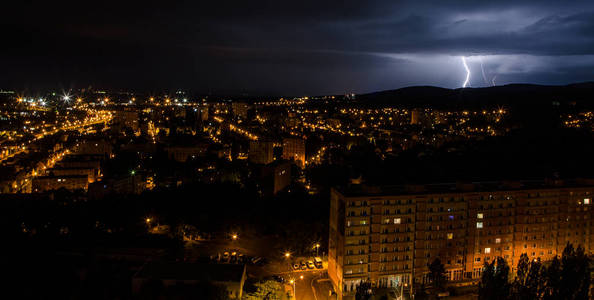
x: 294, y: 288
x: 234, y: 237
x: 287, y: 254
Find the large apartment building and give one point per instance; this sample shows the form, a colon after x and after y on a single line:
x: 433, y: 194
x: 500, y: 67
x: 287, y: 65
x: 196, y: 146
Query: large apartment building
x: 388, y: 235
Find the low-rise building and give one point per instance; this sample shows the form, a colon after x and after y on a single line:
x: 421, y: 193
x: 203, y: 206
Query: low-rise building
x: 294, y: 149
x: 69, y: 182
x: 183, y: 153
x: 128, y: 185
x: 95, y: 147
x: 261, y: 152
x: 274, y: 177
x: 91, y: 173
x: 240, y: 109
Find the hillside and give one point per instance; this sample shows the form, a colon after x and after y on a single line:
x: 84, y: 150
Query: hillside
x: 512, y: 95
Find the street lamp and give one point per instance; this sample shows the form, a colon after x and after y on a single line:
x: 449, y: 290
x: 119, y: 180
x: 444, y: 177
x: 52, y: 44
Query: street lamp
x: 287, y: 256
x: 317, y: 246
x: 292, y: 281
x: 234, y: 237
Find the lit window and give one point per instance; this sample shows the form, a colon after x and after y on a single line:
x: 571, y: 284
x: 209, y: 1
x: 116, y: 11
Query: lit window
x: 479, y: 224
x: 479, y: 215
x: 497, y: 240
x: 348, y: 223
x: 363, y: 222
x: 387, y: 221
x: 396, y: 220
x: 586, y: 200
x: 450, y: 236
x: 487, y: 250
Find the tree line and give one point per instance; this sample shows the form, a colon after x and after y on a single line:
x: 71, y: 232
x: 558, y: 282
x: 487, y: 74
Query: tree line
x: 567, y: 277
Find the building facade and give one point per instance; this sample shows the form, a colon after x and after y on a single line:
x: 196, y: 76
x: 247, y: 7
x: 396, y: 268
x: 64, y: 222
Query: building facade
x: 261, y: 152
x: 183, y: 153
x: 294, y: 149
x: 69, y: 182
x: 388, y: 236
x: 240, y: 110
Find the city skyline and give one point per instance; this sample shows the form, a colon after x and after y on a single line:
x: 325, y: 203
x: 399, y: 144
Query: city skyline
x: 297, y: 150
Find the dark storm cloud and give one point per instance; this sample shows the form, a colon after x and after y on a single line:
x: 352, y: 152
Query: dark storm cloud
x: 295, y: 46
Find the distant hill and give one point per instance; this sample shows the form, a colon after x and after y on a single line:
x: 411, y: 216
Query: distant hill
x: 511, y: 95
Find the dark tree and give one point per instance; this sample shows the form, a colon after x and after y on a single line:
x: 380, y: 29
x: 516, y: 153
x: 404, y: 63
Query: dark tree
x: 575, y: 274
x: 494, y: 282
x: 420, y: 293
x: 529, y: 281
x: 363, y: 291
x: 552, y: 277
x: 535, y: 279
x: 437, y: 274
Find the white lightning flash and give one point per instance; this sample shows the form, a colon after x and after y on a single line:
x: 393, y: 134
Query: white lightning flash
x: 483, y: 71
x: 467, y: 72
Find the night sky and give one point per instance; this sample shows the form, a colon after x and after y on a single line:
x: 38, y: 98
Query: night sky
x: 293, y: 47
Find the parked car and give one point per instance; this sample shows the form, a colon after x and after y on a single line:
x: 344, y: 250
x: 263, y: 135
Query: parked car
x: 278, y: 278
x: 303, y: 266
x: 318, y: 263
x: 296, y: 266
x: 310, y: 264
x: 226, y: 256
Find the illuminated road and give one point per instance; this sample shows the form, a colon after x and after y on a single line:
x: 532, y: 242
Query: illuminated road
x: 91, y: 122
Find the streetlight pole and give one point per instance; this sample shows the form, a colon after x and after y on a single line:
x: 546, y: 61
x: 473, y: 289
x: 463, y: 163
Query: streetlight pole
x: 294, y: 289
x: 287, y: 256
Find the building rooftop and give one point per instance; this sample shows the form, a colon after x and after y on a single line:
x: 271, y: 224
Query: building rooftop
x: 61, y: 176
x: 362, y: 190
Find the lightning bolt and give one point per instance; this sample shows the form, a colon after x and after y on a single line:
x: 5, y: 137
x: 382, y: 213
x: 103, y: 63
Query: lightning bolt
x: 467, y: 72
x: 483, y: 70
x: 493, y: 80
